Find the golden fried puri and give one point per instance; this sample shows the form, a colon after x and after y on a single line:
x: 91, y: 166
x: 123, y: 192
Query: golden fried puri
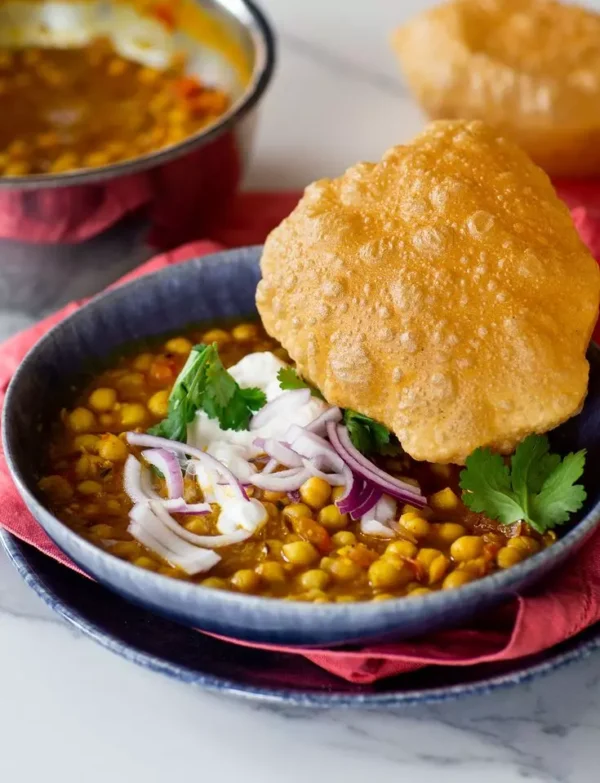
x: 529, y: 67
x: 442, y: 291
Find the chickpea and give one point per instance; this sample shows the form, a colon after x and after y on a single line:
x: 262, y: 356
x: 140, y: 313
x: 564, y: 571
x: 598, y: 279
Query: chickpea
x: 103, y: 531
x: 131, y: 382
x: 343, y: 538
x: 127, y: 549
x: 509, y: 556
x: 81, y: 419
x: 438, y: 569
x: 466, y: 548
x: 48, y: 140
x: 102, y: 400
x: 89, y: 488
x: 525, y: 544
x: 300, y: 553
x: 383, y: 597
x: 244, y: 332
x: 86, y: 442
x: 132, y: 414
x: 84, y: 467
x: 419, y: 591
x: 344, y: 570
x: 457, y: 579
x: 65, y: 162
x: 416, y: 526
x: 331, y: 518
x: 143, y: 362
x: 426, y: 556
x: 315, y: 579
x: 117, y: 67
x: 176, y: 573
x: 296, y: 510
x: 270, y: 508
x: 96, y: 159
x: 18, y: 168
x: 401, y: 549
x: 326, y: 563
x: 18, y: 149
x: 219, y: 336
x: 447, y: 532
x: 345, y: 599
x: 179, y: 345
x: 112, y: 448
x: 315, y: 492
x: 246, y: 580
x: 57, y: 487
x: 444, y: 500
x: 271, y: 571
x: 215, y: 582
x: 198, y: 525
x: 158, y: 404
x: 385, y: 574
x: 336, y: 493
x: 272, y: 496
x: 146, y: 562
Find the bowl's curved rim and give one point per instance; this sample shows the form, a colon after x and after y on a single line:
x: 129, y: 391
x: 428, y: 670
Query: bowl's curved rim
x: 502, y: 582
x: 297, y: 698
x: 263, y: 38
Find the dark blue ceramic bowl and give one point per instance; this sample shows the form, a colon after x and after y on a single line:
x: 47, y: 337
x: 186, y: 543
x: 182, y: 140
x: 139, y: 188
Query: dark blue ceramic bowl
x: 222, y: 286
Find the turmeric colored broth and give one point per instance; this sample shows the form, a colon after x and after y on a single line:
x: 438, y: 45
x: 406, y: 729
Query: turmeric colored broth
x: 65, y: 109
x: 307, y: 550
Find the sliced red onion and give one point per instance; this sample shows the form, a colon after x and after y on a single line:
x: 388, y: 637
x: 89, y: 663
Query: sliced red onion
x: 212, y: 464
x: 310, y: 445
x: 359, y: 464
x: 168, y: 464
x: 146, y: 528
x: 285, y: 481
x: 372, y: 527
x: 269, y: 467
x: 132, y: 479
x: 282, y: 453
x: 351, y: 499
x: 334, y: 479
x: 319, y: 425
x: 369, y: 499
x: 287, y: 402
x: 385, y: 509
x: 211, y: 542
x: 139, y: 489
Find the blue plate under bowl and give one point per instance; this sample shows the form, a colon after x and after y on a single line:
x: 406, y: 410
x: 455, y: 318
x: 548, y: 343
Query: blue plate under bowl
x: 216, y: 287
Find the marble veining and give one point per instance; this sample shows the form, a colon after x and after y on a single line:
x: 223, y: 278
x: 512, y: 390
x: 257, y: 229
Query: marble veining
x: 72, y: 711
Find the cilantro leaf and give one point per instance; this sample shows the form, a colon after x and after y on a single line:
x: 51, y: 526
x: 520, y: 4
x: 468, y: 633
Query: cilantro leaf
x: 539, y: 488
x: 560, y: 496
x: 204, y: 384
x: 487, y: 488
x: 369, y: 436
x: 289, y: 379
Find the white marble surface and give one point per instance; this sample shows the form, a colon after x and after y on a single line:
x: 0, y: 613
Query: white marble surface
x: 73, y: 712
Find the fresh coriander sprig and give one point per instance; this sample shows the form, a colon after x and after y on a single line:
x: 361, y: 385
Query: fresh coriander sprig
x: 289, y: 379
x: 538, y: 487
x: 204, y: 384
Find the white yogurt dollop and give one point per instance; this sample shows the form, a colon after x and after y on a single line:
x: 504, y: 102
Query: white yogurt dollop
x: 234, y: 448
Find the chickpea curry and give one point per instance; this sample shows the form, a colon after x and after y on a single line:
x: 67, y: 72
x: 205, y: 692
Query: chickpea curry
x: 66, y: 109
x: 207, y: 458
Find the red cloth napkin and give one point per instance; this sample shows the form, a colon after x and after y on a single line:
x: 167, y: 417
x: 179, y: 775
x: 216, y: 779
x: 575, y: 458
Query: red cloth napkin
x: 566, y: 603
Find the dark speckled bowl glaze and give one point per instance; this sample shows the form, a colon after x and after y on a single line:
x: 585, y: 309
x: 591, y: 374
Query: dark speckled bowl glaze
x: 215, y: 287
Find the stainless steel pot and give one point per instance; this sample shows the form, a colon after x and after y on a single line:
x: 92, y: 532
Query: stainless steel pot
x: 89, y: 239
